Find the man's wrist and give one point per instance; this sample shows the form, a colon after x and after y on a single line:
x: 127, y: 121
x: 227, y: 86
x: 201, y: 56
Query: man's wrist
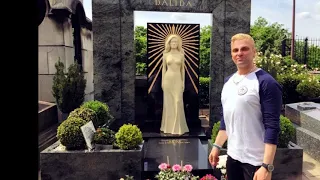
x: 217, y: 146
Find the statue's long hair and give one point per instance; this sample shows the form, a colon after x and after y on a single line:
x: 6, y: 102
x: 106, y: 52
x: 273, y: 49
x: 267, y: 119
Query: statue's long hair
x: 167, y: 47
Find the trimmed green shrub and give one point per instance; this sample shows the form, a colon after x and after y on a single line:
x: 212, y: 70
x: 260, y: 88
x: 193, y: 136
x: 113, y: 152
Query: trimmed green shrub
x: 102, y: 111
x: 104, y: 136
x: 287, y: 132
x: 309, y: 87
x: 68, y: 89
x: 289, y: 83
x: 70, y: 134
x: 128, y: 137
x: 204, y: 83
x: 86, y: 114
x: 215, y: 131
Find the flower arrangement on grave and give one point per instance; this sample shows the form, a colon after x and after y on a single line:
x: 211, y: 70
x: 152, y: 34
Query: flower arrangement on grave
x: 104, y: 136
x: 208, y: 177
x: 176, y: 172
x: 222, y: 166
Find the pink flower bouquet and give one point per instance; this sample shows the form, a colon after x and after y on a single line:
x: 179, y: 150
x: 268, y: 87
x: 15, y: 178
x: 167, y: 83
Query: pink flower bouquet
x: 175, y: 172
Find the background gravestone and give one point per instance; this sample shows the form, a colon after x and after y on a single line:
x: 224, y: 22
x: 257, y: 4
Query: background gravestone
x: 113, y: 37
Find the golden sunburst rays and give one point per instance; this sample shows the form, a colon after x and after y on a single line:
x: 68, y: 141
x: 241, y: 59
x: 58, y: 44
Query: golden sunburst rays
x: 157, y: 33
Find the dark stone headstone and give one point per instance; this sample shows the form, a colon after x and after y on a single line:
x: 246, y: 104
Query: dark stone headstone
x: 189, y: 151
x: 114, y: 62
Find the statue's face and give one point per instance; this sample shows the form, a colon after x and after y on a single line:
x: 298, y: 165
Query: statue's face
x: 174, y: 43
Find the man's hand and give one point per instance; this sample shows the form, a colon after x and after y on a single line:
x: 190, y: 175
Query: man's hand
x: 214, y: 157
x: 262, y: 174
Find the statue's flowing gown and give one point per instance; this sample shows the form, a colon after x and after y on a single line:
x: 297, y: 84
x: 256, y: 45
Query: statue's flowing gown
x: 173, y: 116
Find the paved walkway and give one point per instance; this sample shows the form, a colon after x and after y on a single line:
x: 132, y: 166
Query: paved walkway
x: 311, y: 168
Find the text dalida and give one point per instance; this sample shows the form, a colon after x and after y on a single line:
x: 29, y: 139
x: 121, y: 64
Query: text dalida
x: 173, y: 3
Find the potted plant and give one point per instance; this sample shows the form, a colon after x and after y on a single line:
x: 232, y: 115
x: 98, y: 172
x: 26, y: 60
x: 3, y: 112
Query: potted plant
x: 129, y: 137
x: 68, y: 89
x: 102, y: 110
x: 288, y: 153
x: 103, y: 138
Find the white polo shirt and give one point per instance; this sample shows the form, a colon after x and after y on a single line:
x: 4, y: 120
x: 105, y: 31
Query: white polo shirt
x: 247, y: 119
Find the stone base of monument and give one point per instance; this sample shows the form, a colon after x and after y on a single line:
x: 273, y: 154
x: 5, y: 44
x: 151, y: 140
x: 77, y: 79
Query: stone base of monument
x: 177, y: 150
x: 309, y: 141
x: 57, y: 163
x: 306, y: 117
x: 288, y: 162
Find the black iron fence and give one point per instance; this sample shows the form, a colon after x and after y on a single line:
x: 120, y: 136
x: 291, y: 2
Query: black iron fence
x: 306, y: 51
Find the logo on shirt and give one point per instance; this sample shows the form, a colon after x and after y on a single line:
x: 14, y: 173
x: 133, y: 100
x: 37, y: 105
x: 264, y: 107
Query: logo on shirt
x: 242, y: 90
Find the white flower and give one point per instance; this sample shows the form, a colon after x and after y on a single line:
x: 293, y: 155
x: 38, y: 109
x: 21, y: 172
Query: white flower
x: 223, y: 171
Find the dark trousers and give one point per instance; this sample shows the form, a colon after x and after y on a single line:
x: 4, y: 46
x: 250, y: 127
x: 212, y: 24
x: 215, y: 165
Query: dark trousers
x: 240, y: 171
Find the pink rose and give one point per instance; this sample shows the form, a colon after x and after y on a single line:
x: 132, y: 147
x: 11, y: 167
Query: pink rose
x: 187, y: 168
x: 163, y: 166
x: 176, y: 167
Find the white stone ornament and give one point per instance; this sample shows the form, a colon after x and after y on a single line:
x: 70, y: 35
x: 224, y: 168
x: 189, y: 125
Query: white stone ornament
x: 242, y: 90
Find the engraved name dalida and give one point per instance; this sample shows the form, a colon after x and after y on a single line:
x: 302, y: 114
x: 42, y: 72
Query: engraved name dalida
x: 174, y: 141
x: 173, y: 3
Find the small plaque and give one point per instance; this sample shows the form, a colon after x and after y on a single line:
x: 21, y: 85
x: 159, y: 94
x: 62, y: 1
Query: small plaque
x: 305, y: 106
x: 88, y: 131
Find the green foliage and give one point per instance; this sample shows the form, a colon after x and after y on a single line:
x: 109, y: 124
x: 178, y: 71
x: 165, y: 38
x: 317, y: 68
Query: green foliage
x: 141, y: 68
x: 140, y: 41
x: 268, y: 37
x: 128, y: 137
x: 287, y: 132
x: 289, y: 84
x: 312, y: 55
x: 70, y: 134
x: 309, y: 87
x: 204, y: 83
x: 102, y: 111
x: 85, y: 114
x: 215, y: 131
x: 205, y: 51
x: 68, y: 89
x: 104, y: 136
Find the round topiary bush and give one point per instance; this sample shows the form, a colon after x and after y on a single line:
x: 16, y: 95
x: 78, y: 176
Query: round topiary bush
x: 128, y: 137
x: 215, y: 131
x: 102, y: 110
x: 287, y: 132
x: 70, y: 134
x: 86, y: 114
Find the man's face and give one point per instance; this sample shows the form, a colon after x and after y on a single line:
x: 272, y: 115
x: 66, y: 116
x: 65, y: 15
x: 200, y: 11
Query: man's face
x: 242, y: 52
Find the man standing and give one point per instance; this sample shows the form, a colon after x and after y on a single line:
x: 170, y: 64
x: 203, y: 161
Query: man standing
x: 251, y: 104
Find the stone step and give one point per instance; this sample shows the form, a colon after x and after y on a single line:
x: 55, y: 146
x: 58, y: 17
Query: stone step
x: 47, y: 137
x: 309, y: 141
x: 308, y: 119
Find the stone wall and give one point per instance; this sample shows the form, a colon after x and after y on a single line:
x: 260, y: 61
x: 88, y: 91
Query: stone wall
x: 114, y: 63
x: 56, y: 41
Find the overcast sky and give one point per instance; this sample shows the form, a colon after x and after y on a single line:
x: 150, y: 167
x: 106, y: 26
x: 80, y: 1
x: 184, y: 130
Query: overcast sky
x: 307, y: 15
